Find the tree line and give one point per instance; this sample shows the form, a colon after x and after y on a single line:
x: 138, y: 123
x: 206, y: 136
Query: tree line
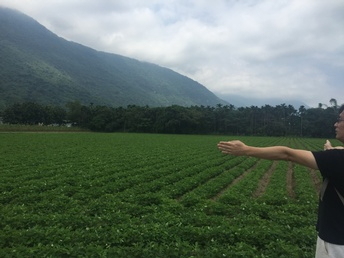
x: 279, y: 120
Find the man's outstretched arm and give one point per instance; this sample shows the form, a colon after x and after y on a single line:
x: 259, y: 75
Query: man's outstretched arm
x: 238, y: 148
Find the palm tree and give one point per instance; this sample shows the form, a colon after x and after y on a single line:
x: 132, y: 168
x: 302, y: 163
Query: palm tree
x: 333, y: 103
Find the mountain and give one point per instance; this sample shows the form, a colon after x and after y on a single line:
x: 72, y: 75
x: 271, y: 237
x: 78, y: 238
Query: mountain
x: 240, y: 101
x: 37, y: 65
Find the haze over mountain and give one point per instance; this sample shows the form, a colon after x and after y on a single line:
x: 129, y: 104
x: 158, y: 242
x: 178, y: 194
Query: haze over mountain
x: 37, y: 65
x: 248, y: 101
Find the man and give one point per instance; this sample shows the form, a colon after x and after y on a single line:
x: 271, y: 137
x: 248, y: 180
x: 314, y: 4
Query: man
x: 330, y: 162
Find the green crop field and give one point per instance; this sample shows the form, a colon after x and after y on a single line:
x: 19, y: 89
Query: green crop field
x: 148, y: 195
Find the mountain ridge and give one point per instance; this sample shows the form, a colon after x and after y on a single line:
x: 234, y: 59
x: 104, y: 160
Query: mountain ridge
x: 42, y: 67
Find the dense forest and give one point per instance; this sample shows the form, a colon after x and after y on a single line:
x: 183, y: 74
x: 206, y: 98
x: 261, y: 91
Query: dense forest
x: 279, y: 120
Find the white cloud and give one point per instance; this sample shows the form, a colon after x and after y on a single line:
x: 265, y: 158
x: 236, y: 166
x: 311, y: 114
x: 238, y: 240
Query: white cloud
x: 253, y: 48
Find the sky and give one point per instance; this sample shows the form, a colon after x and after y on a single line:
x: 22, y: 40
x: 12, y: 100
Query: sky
x: 285, y: 49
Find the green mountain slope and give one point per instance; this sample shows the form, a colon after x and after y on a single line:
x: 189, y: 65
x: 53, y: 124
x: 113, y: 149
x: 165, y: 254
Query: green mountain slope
x: 37, y: 65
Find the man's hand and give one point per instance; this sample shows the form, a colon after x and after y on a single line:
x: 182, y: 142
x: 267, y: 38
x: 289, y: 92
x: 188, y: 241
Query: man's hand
x: 236, y: 148
x: 328, y: 145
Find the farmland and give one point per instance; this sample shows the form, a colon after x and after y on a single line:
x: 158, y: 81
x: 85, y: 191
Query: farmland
x: 151, y: 195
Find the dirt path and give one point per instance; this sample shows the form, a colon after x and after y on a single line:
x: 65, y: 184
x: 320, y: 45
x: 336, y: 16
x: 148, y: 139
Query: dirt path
x: 290, y: 180
x: 235, y: 181
x: 264, y: 181
x: 315, y: 180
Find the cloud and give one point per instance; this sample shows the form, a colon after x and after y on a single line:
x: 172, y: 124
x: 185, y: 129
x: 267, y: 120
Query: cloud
x: 262, y: 48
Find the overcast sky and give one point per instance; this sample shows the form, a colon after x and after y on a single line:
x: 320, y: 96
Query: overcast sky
x: 288, y: 49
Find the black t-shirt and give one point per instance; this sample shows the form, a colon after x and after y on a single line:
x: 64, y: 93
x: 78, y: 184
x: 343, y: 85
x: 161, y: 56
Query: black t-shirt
x: 330, y: 223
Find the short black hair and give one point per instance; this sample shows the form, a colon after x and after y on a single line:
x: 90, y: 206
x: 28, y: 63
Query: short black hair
x: 341, y: 109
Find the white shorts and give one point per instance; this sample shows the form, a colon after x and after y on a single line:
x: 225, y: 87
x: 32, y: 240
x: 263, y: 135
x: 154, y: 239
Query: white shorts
x: 327, y: 250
